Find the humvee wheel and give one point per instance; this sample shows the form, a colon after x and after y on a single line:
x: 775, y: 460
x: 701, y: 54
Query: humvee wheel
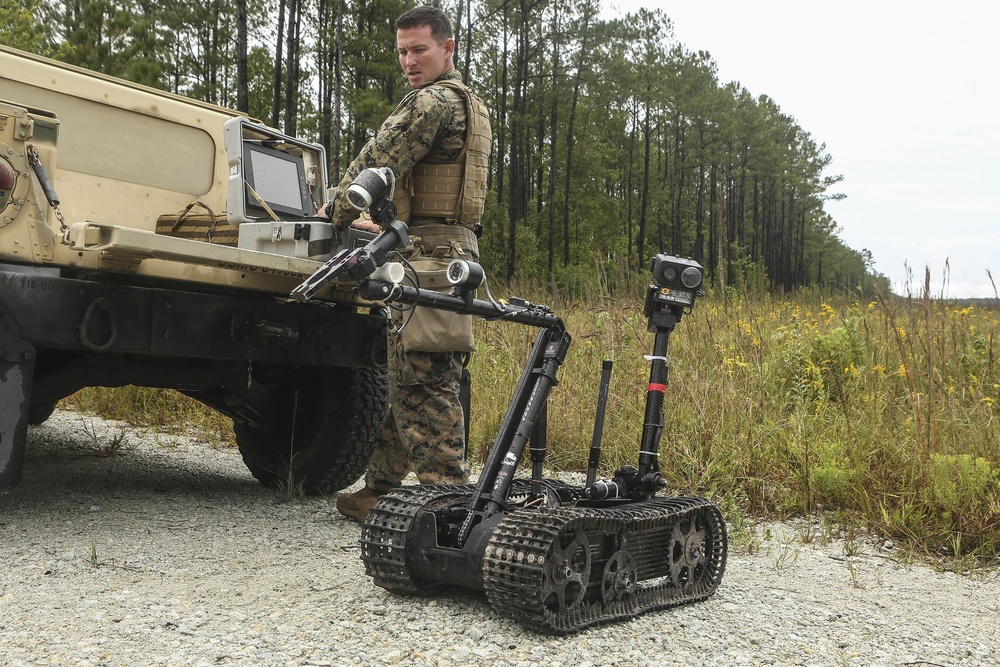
x: 37, y: 414
x: 329, y: 436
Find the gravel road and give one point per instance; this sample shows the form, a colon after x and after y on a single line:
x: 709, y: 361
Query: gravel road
x: 171, y: 554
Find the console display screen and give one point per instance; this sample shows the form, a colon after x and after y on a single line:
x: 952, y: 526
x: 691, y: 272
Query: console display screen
x: 278, y: 178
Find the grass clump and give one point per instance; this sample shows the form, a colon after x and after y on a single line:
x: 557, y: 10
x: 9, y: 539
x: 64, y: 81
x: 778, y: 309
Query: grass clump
x: 159, y: 409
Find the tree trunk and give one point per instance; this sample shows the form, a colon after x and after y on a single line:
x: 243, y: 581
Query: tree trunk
x: 644, y: 195
x: 292, y: 68
x: 212, y: 58
x: 679, y: 164
x: 520, y: 175
x: 324, y: 71
x: 713, y: 245
x: 720, y: 234
x: 466, y: 69
x: 276, y: 86
x: 634, y: 122
x: 502, y: 116
x: 698, y: 252
x: 338, y: 86
x: 553, y: 135
x: 242, y: 83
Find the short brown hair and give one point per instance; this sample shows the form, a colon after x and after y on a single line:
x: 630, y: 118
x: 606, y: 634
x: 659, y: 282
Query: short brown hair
x: 432, y: 16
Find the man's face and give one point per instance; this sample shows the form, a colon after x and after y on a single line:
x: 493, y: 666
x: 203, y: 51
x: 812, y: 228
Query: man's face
x: 421, y: 56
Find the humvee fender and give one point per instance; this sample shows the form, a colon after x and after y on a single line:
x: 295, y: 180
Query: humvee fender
x: 91, y: 295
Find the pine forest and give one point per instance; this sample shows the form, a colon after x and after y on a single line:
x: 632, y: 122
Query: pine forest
x: 612, y: 140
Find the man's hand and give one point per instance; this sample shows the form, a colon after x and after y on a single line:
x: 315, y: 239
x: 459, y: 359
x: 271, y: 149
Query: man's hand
x: 324, y: 210
x: 364, y: 224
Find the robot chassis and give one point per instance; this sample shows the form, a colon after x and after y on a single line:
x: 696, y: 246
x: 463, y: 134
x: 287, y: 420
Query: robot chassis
x: 554, y: 557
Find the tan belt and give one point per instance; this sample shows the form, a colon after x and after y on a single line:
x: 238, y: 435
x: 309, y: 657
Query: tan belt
x: 435, y: 235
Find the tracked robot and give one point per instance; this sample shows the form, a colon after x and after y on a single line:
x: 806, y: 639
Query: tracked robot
x: 552, y: 556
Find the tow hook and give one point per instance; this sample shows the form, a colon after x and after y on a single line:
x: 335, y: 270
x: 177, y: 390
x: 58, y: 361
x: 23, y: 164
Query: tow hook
x: 91, y: 324
x: 265, y: 331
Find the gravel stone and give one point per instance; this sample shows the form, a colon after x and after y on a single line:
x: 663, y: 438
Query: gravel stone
x: 171, y: 554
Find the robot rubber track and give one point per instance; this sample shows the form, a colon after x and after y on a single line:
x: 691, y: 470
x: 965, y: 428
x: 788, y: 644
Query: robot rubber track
x: 565, y: 568
x: 385, y: 532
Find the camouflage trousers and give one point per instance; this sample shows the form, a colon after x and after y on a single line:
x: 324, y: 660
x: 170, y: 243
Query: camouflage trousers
x: 424, y: 431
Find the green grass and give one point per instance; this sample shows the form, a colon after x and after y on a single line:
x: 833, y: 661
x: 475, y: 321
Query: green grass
x: 159, y: 409
x: 882, y: 415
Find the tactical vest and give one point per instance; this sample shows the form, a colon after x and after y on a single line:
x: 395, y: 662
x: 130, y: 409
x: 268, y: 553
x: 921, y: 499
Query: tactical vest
x: 453, y: 191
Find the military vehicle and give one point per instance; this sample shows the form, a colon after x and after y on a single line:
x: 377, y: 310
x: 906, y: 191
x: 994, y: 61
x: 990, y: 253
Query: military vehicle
x: 152, y: 240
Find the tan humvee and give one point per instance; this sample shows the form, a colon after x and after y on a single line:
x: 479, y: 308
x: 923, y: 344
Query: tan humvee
x: 151, y: 239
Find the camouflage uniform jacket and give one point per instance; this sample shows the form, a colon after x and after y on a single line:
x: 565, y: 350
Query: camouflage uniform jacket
x: 429, y: 123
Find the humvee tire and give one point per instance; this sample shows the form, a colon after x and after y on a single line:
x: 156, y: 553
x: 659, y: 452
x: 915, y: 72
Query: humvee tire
x: 39, y: 413
x: 329, y: 436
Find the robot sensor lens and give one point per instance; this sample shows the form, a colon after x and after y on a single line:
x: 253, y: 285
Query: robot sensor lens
x: 691, y: 277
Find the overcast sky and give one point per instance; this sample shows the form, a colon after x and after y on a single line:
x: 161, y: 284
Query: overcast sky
x: 906, y: 97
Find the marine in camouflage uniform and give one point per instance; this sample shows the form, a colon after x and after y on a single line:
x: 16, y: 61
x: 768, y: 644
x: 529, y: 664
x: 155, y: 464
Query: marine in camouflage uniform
x: 424, y: 430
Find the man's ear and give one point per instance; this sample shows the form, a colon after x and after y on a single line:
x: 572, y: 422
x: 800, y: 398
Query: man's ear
x: 449, y: 47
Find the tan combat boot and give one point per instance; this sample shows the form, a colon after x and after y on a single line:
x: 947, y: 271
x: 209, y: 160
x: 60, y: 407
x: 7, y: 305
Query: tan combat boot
x: 356, y: 505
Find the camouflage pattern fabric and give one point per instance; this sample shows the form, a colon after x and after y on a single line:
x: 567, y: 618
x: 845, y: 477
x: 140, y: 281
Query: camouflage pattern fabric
x: 424, y: 431
x: 428, y: 124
